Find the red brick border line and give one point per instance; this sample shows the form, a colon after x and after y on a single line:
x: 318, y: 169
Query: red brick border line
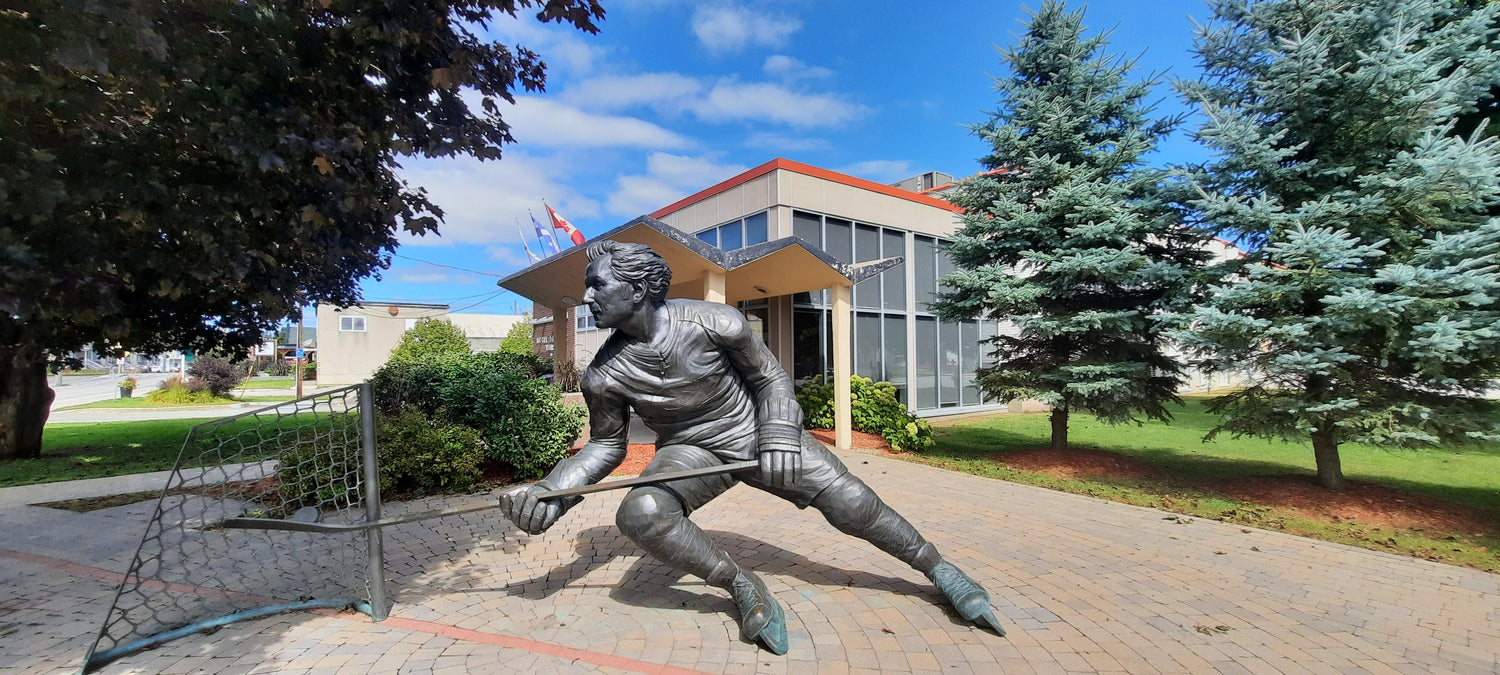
x: 511, y: 642
x: 416, y: 625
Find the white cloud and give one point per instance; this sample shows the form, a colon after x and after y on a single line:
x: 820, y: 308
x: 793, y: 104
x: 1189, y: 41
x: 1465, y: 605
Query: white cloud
x: 880, y: 170
x: 513, y: 257
x: 668, y: 178
x: 723, y: 29
x: 788, y: 69
x: 763, y: 101
x: 482, y: 201
x: 537, y: 121
x: 559, y: 45
x: 658, y: 90
x: 779, y: 143
x: 689, y: 171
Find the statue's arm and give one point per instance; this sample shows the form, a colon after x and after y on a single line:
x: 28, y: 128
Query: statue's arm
x: 609, y: 424
x: 779, y: 417
x: 609, y: 435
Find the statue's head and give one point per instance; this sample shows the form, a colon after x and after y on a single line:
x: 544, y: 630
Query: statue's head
x: 622, y: 279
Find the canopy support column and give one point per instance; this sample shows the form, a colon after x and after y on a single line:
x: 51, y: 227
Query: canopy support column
x: 843, y: 350
x: 713, y: 286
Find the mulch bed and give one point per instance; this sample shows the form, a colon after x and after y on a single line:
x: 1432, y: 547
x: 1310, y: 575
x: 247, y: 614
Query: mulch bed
x: 1364, y: 503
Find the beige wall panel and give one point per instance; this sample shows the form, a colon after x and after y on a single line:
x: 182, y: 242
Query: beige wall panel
x: 780, y: 222
x: 348, y: 357
x: 758, y: 194
x: 729, y: 204
x: 801, y: 191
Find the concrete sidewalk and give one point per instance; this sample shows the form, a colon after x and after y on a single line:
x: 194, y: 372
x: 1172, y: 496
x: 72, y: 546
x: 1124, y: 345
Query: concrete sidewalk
x: 1081, y: 584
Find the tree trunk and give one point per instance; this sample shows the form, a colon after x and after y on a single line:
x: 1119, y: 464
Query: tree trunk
x: 1059, y: 428
x: 1326, y: 452
x: 25, y: 401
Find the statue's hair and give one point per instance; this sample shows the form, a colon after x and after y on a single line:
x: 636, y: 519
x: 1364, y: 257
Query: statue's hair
x: 635, y: 263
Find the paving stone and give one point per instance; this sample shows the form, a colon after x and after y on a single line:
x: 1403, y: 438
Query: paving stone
x: 1082, y: 585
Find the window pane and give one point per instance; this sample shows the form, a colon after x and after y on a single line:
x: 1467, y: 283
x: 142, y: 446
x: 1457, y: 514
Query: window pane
x: 893, y: 243
x: 945, y: 263
x: 926, y: 358
x: 866, y: 243
x: 867, y: 247
x: 756, y: 319
x: 808, y: 226
x: 924, y: 268
x: 807, y: 350
x: 731, y: 237
x: 755, y: 229
x: 969, y: 341
x: 867, y: 356
x: 840, y: 239
x: 895, y: 354
x: 948, y: 365
x: 710, y: 235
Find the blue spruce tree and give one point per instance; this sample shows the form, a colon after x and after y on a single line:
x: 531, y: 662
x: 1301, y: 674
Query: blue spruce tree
x: 1368, y: 312
x: 1066, y: 234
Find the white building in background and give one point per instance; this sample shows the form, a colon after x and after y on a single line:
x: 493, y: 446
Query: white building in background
x: 355, y: 341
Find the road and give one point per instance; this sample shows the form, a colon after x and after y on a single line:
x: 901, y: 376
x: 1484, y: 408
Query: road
x: 78, y: 390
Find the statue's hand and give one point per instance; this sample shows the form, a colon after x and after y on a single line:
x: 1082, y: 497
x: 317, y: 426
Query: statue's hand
x: 780, y: 468
x: 533, y: 515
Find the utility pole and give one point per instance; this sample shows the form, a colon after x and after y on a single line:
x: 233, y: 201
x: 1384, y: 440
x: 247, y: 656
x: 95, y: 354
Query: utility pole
x: 299, y: 352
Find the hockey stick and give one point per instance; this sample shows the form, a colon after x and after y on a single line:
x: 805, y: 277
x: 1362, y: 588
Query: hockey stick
x: 304, y: 526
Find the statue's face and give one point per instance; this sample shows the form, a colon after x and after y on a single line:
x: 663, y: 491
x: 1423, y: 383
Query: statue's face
x: 611, y: 300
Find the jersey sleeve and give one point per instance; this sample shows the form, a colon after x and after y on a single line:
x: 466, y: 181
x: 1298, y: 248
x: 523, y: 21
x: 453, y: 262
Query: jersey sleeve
x: 779, y: 417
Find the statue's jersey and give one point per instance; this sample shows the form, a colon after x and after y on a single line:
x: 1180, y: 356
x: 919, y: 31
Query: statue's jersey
x: 697, y: 383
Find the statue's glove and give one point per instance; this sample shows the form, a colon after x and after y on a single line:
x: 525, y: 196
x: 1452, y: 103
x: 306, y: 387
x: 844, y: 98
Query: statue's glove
x: 528, y: 511
x: 780, y: 455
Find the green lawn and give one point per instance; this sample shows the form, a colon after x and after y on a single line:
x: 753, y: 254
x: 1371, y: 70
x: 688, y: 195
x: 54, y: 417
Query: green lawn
x: 92, y: 450
x: 142, y: 402
x: 267, y: 383
x: 1467, y: 475
x: 1463, y: 475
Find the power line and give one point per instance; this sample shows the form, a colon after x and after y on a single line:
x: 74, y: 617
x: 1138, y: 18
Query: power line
x: 451, y: 267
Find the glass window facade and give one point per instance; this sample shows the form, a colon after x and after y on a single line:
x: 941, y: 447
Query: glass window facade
x: 932, y: 363
x: 735, y: 234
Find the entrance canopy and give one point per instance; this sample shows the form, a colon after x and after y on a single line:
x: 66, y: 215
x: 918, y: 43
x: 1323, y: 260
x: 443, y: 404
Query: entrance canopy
x: 703, y: 272
x: 781, y: 267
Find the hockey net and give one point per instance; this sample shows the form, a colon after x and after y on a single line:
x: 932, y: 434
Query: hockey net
x: 312, y: 458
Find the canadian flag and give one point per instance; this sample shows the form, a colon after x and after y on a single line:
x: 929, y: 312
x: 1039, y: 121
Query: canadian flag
x: 558, y: 222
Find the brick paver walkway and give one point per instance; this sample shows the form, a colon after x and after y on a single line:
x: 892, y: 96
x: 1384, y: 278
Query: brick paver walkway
x: 1083, y: 586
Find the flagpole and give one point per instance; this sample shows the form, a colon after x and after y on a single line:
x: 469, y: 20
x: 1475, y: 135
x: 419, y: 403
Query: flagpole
x: 522, y: 235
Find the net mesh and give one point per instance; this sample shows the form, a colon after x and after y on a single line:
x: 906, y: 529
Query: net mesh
x: 300, y: 455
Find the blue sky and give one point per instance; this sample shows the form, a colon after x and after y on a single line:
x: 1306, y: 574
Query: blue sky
x: 673, y: 96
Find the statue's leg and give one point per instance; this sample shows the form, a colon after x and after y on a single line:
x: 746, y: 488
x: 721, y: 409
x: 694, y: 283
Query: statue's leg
x: 656, y: 518
x: 852, y: 507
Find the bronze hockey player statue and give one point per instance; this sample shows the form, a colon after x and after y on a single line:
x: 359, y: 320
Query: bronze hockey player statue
x: 713, y: 392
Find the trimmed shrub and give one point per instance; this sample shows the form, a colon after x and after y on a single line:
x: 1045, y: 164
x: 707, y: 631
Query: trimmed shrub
x: 431, y: 340
x: 521, y: 419
x: 173, y: 391
x: 325, y: 477
x: 518, y: 340
x: 217, y: 374
x: 309, y: 371
x: 422, y: 456
x: 874, y: 408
